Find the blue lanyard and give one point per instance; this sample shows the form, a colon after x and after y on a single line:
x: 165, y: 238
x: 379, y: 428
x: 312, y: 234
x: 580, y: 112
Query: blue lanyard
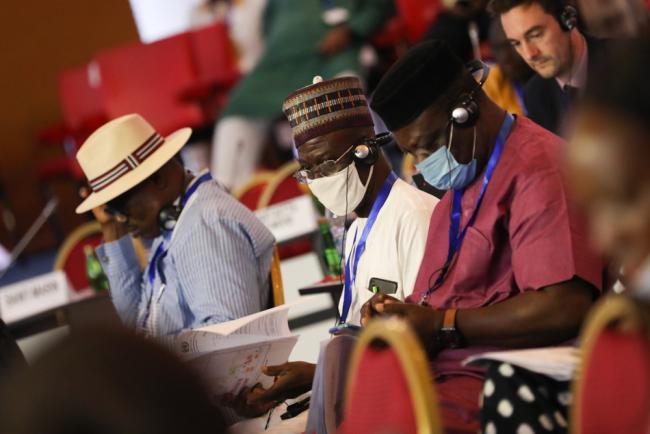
x: 155, y: 265
x: 161, y: 251
x: 456, y: 236
x: 350, y: 275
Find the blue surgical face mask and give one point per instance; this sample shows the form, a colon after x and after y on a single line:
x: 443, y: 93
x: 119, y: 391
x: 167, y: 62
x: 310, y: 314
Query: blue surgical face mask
x: 442, y: 171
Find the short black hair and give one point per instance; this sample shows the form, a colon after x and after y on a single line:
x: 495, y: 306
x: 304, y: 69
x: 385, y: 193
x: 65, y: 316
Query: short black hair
x: 551, y: 7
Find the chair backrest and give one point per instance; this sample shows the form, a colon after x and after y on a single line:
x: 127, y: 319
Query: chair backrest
x: 213, y: 54
x: 612, y: 387
x: 391, y: 380
x: 249, y: 193
x: 70, y: 257
x: 148, y: 79
x: 277, y: 288
x: 280, y: 187
x: 80, y: 99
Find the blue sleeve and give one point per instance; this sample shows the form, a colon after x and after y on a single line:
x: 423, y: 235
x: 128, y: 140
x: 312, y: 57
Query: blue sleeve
x: 223, y: 279
x: 122, y: 269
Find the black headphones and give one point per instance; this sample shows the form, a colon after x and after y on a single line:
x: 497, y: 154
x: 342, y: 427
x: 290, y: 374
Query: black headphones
x: 568, y: 18
x: 168, y: 216
x: 464, y: 113
x: 368, y: 151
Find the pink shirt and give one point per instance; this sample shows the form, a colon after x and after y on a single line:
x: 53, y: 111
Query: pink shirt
x: 525, y: 236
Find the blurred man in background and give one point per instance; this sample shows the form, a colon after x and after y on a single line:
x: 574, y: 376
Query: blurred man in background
x: 545, y: 34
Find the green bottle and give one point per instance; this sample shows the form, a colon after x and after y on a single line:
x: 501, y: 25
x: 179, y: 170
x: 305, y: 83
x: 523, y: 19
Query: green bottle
x: 94, y: 271
x: 330, y: 254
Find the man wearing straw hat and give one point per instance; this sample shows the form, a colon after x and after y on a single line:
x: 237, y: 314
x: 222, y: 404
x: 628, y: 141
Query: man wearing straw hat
x: 209, y: 256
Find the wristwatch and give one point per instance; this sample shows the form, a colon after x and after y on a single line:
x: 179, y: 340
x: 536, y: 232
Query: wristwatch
x: 448, y: 335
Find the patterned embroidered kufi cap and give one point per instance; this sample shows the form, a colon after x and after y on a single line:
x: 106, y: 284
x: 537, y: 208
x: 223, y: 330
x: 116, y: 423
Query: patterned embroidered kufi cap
x: 326, y: 106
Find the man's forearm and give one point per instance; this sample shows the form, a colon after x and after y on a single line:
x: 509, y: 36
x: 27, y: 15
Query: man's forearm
x: 545, y: 317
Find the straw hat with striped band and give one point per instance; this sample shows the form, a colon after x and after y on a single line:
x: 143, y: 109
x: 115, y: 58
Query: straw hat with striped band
x: 121, y: 154
x: 326, y: 106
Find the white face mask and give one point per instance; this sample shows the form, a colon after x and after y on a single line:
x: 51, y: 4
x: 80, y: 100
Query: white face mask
x: 331, y: 190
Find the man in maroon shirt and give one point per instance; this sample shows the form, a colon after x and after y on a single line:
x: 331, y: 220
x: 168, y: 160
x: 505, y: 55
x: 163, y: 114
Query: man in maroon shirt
x: 507, y: 262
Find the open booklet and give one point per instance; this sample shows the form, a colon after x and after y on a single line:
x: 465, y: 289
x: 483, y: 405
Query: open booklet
x: 556, y: 362
x: 230, y: 355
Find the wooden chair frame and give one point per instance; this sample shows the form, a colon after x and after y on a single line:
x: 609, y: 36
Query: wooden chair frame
x: 399, y: 336
x: 620, y: 311
x: 277, y: 288
x: 257, y: 178
x: 83, y: 231
x: 276, y: 179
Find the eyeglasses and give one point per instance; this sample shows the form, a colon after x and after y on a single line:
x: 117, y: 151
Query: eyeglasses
x: 324, y: 169
x: 329, y: 167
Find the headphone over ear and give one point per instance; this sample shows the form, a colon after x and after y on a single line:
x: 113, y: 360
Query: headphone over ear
x: 368, y: 151
x: 568, y: 18
x: 465, y: 112
x: 168, y: 216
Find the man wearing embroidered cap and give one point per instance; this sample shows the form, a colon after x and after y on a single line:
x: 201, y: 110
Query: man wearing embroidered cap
x: 507, y: 261
x: 344, y: 168
x: 210, y: 256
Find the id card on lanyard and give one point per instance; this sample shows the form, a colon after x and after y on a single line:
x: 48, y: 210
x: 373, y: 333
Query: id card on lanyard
x: 456, y: 234
x: 360, y: 246
x: 155, y: 266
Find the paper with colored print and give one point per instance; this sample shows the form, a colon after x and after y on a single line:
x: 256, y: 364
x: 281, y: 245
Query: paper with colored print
x: 230, y: 355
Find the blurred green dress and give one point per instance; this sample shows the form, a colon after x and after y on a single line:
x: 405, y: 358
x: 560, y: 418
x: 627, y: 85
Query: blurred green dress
x: 293, y: 30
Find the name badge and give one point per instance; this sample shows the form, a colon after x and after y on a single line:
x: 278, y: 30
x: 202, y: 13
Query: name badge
x: 289, y: 219
x: 33, y: 296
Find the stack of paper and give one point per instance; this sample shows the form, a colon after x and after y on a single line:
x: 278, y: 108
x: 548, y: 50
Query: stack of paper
x: 556, y: 362
x: 229, y: 356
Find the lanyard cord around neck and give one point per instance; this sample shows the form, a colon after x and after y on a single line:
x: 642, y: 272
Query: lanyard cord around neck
x: 351, y: 272
x: 155, y: 265
x: 456, y: 235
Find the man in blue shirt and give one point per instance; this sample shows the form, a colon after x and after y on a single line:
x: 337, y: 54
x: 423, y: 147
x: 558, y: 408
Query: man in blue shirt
x: 209, y: 256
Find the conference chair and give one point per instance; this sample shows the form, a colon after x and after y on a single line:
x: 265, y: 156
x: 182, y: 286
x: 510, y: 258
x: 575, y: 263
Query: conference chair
x: 215, y: 63
x: 71, y: 258
x: 403, y: 402
x: 277, y: 288
x: 280, y: 187
x: 612, y: 388
x: 148, y: 79
x: 250, y: 192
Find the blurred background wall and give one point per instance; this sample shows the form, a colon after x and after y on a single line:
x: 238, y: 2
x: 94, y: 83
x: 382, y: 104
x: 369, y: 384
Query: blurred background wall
x: 39, y: 38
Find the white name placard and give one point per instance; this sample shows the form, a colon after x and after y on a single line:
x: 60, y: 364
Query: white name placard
x: 289, y: 219
x: 32, y: 296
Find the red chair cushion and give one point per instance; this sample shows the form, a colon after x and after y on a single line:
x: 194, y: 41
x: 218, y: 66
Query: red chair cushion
x: 213, y: 55
x: 148, y: 79
x: 251, y: 197
x: 616, y: 387
x: 81, y: 102
x: 380, y: 400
